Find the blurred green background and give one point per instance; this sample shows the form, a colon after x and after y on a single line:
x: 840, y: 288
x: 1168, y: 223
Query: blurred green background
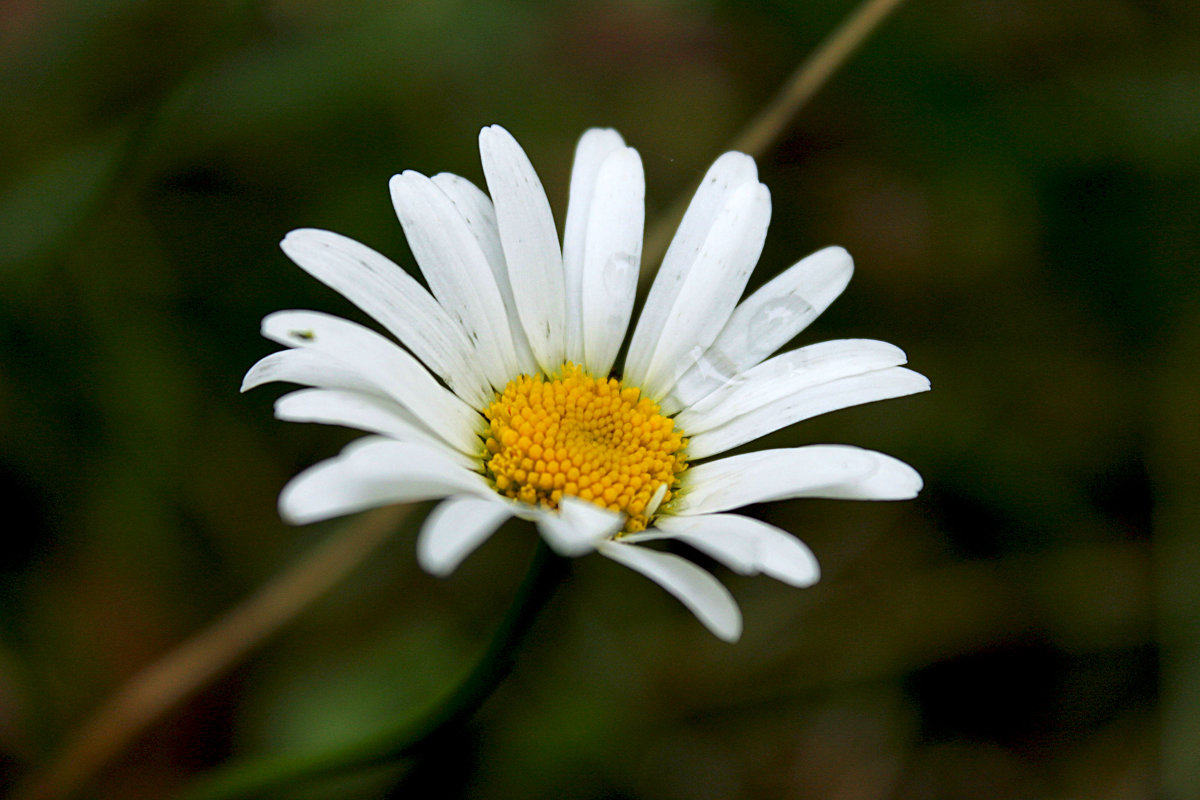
x: 1017, y: 180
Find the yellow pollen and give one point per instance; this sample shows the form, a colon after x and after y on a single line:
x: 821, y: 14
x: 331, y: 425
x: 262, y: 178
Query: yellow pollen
x: 583, y: 436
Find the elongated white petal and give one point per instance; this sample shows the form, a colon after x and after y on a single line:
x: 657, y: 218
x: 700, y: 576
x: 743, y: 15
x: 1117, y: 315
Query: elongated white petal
x: 365, y: 412
x: 394, y: 298
x: 308, y: 368
x: 455, y: 528
x: 786, y: 375
x: 855, y: 390
x: 578, y: 526
x: 458, y: 272
x: 703, y: 594
x: 764, y: 322
x: 594, y: 147
x: 821, y: 470
x: 372, y: 472
x: 745, y: 545
x: 612, y: 256
x: 727, y: 174
x: 385, y: 364
x: 530, y: 241
x: 477, y: 211
x: 711, y: 288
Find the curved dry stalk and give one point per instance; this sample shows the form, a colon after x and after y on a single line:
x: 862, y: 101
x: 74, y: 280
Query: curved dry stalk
x: 163, y: 685
x: 765, y: 128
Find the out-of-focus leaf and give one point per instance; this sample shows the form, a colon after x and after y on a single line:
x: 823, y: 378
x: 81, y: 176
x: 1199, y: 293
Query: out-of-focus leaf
x: 44, y: 205
x: 1177, y: 440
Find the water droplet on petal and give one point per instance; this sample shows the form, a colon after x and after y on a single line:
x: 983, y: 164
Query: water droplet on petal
x: 616, y: 272
x: 775, y: 323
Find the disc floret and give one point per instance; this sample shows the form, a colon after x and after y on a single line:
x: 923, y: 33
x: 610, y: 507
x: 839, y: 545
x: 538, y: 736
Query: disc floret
x: 589, y: 437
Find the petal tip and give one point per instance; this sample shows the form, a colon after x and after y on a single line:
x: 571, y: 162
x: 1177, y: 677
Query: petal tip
x: 836, y: 261
x: 729, y: 637
x: 433, y: 564
x: 397, y: 184
x: 836, y: 251
x: 494, y: 133
x: 737, y: 159
x: 726, y: 627
x: 290, y: 510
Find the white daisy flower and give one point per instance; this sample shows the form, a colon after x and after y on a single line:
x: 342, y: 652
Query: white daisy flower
x: 500, y: 396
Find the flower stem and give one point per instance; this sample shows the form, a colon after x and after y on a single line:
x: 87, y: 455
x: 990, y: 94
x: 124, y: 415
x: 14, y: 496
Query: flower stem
x: 405, y: 741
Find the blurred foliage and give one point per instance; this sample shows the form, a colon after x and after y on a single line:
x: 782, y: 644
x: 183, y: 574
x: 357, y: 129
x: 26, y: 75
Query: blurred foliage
x: 1017, y: 181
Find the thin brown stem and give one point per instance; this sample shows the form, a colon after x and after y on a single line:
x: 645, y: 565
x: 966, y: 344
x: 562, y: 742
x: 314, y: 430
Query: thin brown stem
x: 767, y: 126
x: 163, y: 685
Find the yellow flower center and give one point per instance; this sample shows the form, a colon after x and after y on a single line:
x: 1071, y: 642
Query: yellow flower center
x: 583, y: 436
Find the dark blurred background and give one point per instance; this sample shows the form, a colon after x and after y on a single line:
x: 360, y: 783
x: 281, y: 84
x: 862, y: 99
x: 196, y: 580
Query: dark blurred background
x: 1017, y: 181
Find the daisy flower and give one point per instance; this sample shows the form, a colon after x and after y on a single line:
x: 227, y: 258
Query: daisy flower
x: 501, y: 397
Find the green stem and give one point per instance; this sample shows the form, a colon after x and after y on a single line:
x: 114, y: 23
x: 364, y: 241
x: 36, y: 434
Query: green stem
x: 407, y: 740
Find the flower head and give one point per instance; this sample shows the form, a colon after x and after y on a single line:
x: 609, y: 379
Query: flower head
x: 502, y: 398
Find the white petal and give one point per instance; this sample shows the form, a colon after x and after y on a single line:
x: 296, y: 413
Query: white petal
x: 766, y: 321
x: 367, y: 413
x: 372, y: 472
x: 458, y: 272
x: 530, y: 242
x: 820, y: 470
x: 455, y: 528
x: 612, y: 258
x: 477, y: 211
x: 394, y: 298
x: 307, y: 368
x: 881, y: 384
x: 711, y: 287
x: 385, y: 364
x: 578, y: 526
x: 699, y: 591
x: 594, y: 147
x: 745, y: 545
x: 786, y: 375
x: 727, y: 174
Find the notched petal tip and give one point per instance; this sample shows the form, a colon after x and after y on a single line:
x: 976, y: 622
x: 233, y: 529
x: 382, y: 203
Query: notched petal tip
x: 495, y: 134
x: 398, y: 186
x: 314, y: 236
